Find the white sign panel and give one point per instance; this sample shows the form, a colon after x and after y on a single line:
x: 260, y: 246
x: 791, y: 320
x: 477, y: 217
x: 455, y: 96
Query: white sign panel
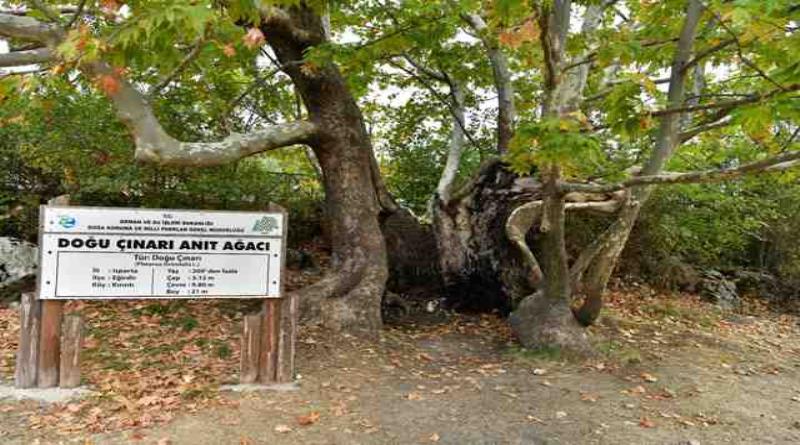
x: 117, y: 253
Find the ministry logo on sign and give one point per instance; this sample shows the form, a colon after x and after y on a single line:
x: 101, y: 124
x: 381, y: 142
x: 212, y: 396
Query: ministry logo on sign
x: 266, y: 224
x: 67, y: 221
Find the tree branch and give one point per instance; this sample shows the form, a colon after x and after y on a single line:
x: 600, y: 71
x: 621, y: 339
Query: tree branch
x: 436, y: 74
x: 30, y: 57
x: 281, y: 21
x: 27, y: 28
x: 49, y: 13
x: 440, y: 98
x: 591, y: 56
x: 754, y: 98
x: 22, y: 12
x: 506, y: 110
x: 524, y: 217
x: 694, y: 131
x: 518, y: 224
x: 153, y: 143
x: 457, y: 129
x: 77, y: 14
x: 455, y: 145
x: 193, y: 53
x: 598, y: 260
x: 258, y: 81
x: 776, y: 163
x: 707, y: 52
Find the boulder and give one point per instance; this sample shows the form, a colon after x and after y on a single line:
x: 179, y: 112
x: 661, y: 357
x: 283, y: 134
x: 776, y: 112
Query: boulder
x: 719, y: 290
x: 18, y: 264
x: 759, y: 283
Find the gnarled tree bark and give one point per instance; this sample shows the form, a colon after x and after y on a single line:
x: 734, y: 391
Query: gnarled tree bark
x: 351, y: 299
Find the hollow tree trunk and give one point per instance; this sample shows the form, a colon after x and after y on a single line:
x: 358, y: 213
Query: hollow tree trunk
x: 480, y: 267
x: 349, y: 299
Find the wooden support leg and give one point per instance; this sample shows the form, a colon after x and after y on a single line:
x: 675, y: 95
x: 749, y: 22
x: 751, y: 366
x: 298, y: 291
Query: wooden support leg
x: 251, y: 348
x: 28, y: 351
x: 269, y: 340
x: 287, y: 331
x: 69, y: 375
x: 50, y: 343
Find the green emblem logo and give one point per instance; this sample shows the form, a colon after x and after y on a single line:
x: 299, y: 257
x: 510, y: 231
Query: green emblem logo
x: 266, y: 224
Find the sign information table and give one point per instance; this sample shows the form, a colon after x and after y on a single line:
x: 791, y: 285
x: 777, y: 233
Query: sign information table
x: 117, y: 253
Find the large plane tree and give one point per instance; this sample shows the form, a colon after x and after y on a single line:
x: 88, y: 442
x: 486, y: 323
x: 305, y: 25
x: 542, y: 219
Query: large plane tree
x: 582, y: 122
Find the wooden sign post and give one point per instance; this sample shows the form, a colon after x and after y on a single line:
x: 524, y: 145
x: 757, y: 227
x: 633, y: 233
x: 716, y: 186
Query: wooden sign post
x: 120, y: 253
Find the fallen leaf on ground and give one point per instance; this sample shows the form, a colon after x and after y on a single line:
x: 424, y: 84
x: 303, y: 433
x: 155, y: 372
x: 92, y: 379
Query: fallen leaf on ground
x: 339, y: 409
x: 648, y: 377
x: 534, y: 419
x: 560, y: 414
x: 433, y: 437
x: 600, y: 366
x: 283, y: 429
x: 308, y: 419
x: 637, y: 390
x: 644, y: 422
x: 414, y: 396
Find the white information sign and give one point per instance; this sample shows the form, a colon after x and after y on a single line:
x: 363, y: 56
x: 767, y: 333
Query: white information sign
x: 118, y: 253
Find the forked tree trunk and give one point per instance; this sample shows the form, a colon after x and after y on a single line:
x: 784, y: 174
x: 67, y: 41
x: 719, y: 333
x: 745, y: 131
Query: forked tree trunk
x: 349, y: 299
x: 544, y: 319
x: 482, y: 269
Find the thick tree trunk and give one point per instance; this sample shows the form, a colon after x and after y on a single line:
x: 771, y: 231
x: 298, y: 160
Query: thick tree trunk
x: 480, y: 267
x: 544, y: 320
x: 350, y: 298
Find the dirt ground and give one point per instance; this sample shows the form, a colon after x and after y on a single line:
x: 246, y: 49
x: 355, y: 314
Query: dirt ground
x: 670, y: 370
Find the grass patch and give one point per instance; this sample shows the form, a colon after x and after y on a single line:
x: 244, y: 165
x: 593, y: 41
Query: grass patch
x: 620, y: 353
x: 188, y: 323
x: 223, y: 351
x: 152, y: 309
x: 707, y: 316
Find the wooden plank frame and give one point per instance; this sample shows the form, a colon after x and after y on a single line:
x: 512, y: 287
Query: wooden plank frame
x: 250, y: 349
x: 69, y: 372
x: 286, y: 328
x: 25, y: 375
x: 50, y: 343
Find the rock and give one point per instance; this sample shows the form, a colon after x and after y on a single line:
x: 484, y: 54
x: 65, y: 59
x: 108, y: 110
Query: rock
x: 719, y: 290
x: 19, y: 261
x: 762, y: 284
